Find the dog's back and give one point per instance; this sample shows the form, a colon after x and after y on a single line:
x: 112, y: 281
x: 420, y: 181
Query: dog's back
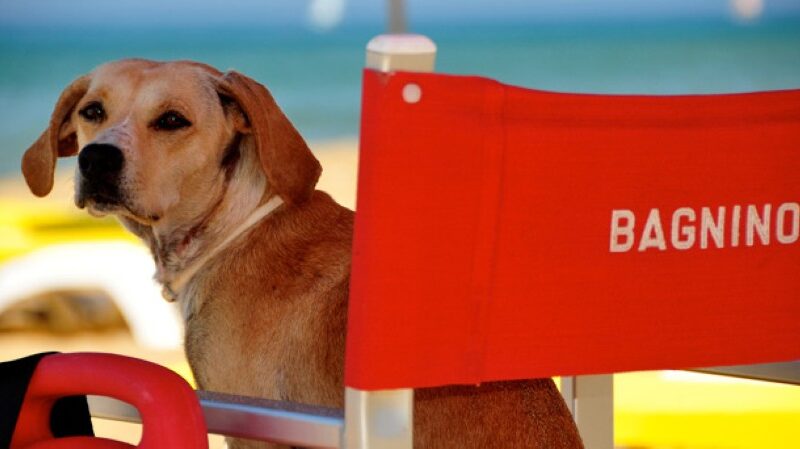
x: 290, y: 322
x: 306, y: 251
x: 514, y: 414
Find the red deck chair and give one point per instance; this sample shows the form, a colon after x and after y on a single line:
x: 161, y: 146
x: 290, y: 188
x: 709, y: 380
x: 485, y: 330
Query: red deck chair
x: 506, y: 233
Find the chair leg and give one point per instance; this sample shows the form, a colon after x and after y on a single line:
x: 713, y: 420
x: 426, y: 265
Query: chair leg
x: 590, y: 399
x: 378, y: 419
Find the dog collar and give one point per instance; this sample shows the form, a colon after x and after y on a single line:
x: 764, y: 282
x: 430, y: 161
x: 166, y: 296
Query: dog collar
x: 173, y: 288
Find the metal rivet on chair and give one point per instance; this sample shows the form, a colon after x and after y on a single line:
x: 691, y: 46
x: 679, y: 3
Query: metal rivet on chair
x: 412, y: 93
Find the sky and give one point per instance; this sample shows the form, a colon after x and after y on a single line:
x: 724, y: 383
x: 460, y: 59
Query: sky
x: 294, y: 12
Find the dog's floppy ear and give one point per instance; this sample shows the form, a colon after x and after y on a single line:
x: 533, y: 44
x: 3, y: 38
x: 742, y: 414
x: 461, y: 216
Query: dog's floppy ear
x: 59, y: 139
x: 290, y: 167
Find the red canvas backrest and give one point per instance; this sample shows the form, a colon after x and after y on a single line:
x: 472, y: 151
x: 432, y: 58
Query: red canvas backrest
x: 510, y: 233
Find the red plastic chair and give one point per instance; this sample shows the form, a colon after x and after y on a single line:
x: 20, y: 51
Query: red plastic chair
x: 170, y: 412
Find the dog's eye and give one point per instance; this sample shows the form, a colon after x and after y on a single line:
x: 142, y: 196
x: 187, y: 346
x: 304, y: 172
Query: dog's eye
x: 93, y: 112
x: 171, y: 120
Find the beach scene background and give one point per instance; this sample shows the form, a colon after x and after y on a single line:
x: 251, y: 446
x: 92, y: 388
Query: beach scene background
x: 310, y: 55
x: 315, y: 73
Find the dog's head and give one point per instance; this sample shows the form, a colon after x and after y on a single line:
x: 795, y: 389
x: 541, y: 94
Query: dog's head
x: 160, y: 141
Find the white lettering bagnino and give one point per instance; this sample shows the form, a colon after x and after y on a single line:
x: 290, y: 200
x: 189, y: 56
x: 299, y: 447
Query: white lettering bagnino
x: 716, y: 227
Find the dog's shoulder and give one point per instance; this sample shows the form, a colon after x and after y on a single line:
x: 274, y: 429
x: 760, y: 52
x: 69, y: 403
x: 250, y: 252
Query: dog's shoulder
x: 301, y: 245
x: 320, y: 221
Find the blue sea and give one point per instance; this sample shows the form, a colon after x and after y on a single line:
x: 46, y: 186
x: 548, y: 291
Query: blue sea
x: 316, y: 76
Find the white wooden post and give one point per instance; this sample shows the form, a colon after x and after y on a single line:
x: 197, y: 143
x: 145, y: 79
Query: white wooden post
x: 385, y: 419
x: 409, y: 52
x: 590, y: 399
x: 379, y: 419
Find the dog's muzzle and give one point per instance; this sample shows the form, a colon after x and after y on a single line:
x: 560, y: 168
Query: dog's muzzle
x: 100, y: 166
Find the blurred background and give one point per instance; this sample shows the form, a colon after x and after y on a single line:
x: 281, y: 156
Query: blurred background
x: 71, y: 282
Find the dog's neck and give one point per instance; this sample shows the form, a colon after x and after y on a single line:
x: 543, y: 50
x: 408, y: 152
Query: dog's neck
x: 180, y: 248
x: 172, y: 289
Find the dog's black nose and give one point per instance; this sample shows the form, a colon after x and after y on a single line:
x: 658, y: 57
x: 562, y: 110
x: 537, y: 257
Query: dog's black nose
x: 100, y: 160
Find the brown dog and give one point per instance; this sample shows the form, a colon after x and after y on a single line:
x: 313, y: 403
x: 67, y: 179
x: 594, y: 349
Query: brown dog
x: 207, y: 170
